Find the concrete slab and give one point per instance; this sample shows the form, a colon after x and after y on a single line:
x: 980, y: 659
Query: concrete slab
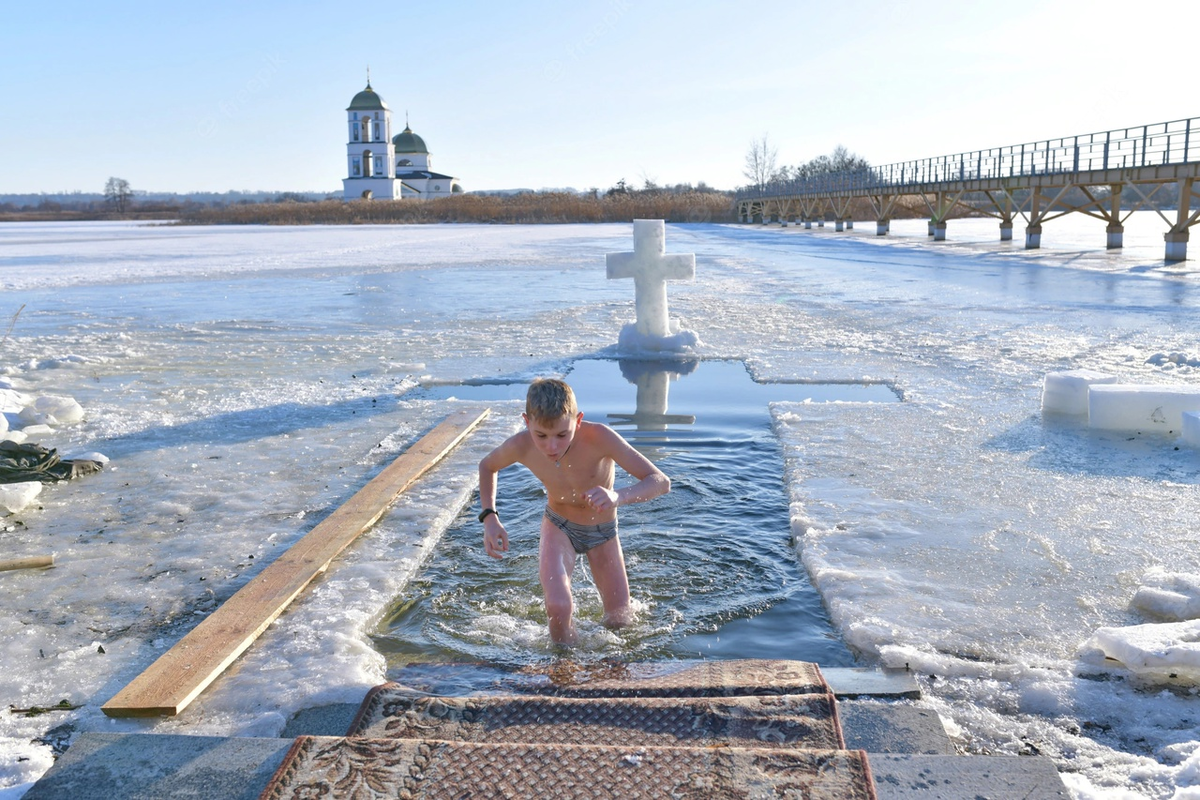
x: 147, y: 766
x: 909, y: 777
x: 330, y: 720
x: 892, y: 727
x: 851, y: 682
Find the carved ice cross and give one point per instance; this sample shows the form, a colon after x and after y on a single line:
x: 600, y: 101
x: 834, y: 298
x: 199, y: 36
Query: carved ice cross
x: 651, y: 268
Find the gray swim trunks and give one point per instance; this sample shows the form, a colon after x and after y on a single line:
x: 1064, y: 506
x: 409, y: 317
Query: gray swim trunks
x: 583, y: 537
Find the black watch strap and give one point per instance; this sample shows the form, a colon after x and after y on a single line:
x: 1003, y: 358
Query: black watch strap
x: 484, y: 514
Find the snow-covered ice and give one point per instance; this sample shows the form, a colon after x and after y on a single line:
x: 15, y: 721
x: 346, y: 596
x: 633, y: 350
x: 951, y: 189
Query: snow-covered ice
x: 245, y: 381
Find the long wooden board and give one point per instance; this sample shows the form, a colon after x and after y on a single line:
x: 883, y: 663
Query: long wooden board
x: 181, y: 673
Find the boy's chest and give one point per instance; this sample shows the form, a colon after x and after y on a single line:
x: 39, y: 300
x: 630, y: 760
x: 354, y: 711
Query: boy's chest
x: 571, y: 477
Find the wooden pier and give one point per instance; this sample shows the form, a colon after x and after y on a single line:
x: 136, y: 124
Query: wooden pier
x: 1106, y: 176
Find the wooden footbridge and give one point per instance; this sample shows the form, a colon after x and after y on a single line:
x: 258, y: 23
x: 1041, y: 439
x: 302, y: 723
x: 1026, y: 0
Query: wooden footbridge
x: 1105, y: 175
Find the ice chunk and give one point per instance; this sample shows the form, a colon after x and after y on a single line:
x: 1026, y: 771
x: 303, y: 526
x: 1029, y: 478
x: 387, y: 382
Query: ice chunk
x: 1129, y: 407
x: 1173, y: 596
x: 1067, y: 392
x: 1191, y: 428
x: 14, y: 436
x: 13, y: 401
x: 99, y: 458
x: 631, y: 341
x: 1167, y: 651
x: 34, y: 431
x: 52, y: 410
x: 15, y: 496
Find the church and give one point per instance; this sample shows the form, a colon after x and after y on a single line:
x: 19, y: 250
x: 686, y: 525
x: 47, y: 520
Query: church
x: 380, y: 166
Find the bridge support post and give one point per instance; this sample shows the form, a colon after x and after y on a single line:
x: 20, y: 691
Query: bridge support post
x: 849, y: 224
x: 838, y: 225
x: 882, y: 226
x: 821, y: 222
x: 808, y: 223
x: 1116, y: 236
x: 1033, y: 237
x: 1006, y: 231
x: 1176, y: 245
x: 939, y: 231
x: 930, y: 233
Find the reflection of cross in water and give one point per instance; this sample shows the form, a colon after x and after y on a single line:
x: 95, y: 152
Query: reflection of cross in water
x: 652, y: 379
x: 651, y: 268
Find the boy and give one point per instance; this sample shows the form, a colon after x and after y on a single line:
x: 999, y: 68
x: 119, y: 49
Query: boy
x: 574, y: 460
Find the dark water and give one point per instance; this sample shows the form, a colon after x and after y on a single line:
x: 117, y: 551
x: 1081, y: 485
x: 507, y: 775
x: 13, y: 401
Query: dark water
x: 711, y: 565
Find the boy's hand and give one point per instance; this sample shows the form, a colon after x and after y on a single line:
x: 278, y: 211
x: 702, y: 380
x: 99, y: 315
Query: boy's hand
x: 600, y: 498
x: 495, y: 538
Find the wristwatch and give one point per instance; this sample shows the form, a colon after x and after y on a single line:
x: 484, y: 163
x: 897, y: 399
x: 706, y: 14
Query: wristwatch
x: 484, y: 514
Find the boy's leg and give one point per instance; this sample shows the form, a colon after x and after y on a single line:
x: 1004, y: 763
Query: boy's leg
x: 607, y: 563
x: 555, y: 565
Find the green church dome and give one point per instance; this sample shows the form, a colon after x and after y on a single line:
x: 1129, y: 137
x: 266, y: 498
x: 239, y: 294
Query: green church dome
x: 367, y: 100
x: 409, y: 142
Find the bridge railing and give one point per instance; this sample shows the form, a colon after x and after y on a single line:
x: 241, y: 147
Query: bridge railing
x: 1161, y: 143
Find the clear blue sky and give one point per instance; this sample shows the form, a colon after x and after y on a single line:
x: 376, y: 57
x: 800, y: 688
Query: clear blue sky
x: 252, y: 95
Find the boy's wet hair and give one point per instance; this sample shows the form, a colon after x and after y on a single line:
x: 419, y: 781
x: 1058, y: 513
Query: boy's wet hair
x: 549, y: 400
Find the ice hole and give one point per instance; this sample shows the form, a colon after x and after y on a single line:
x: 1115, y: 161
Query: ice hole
x: 712, y: 568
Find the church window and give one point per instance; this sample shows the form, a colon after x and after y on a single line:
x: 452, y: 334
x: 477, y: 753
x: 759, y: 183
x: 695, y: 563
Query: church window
x: 377, y: 131
x: 404, y: 162
x: 357, y: 169
x: 356, y: 133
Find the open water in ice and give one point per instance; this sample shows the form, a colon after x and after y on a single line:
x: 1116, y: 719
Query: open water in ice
x: 714, y: 571
x: 246, y: 381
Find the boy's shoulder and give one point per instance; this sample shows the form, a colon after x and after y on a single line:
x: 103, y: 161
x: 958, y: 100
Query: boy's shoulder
x: 597, y: 432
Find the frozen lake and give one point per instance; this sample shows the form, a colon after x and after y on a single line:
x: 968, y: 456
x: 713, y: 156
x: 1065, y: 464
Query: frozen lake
x: 245, y: 381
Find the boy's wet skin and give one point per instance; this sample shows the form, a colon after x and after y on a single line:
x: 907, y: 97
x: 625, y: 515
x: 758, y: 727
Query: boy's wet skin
x: 575, y: 461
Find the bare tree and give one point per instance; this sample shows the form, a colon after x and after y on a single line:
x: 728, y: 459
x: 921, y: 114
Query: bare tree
x: 118, y: 194
x: 759, y: 167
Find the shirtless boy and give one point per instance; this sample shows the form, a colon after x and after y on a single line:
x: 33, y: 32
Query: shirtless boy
x: 574, y: 460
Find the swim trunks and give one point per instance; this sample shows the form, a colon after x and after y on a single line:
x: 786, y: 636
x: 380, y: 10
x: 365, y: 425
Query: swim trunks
x: 583, y: 537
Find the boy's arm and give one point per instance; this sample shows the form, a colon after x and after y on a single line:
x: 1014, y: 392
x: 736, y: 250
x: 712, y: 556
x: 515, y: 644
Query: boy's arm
x: 495, y: 537
x: 651, y: 481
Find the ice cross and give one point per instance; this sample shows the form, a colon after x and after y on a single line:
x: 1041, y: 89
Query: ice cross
x: 651, y: 268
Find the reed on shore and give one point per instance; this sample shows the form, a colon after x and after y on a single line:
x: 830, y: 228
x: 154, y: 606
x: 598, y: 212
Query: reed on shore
x: 533, y: 207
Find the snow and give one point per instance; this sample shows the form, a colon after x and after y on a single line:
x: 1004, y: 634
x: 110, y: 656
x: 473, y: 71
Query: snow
x: 245, y: 381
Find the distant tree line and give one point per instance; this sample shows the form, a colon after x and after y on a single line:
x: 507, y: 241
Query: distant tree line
x: 761, y: 167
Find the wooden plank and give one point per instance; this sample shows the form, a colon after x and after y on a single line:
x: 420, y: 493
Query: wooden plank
x: 180, y: 674
x: 33, y: 562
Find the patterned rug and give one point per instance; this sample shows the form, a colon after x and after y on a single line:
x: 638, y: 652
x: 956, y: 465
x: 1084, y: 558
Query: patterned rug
x: 367, y: 769
x: 622, y: 679
x: 807, y: 721
x: 705, y: 730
